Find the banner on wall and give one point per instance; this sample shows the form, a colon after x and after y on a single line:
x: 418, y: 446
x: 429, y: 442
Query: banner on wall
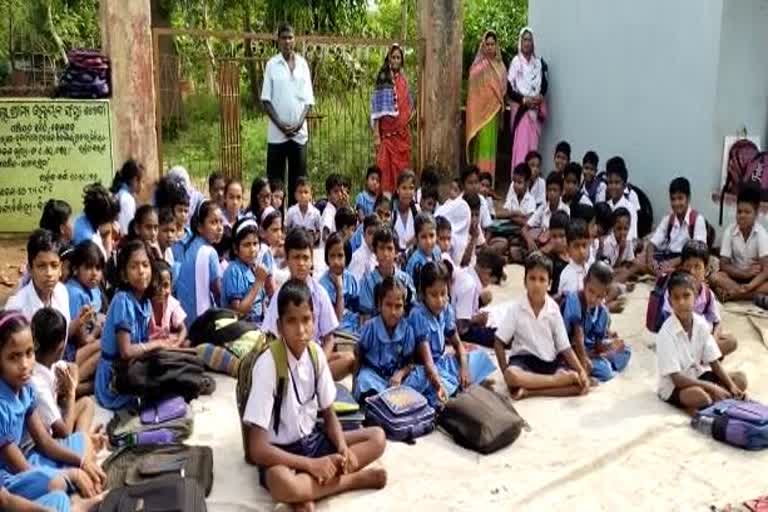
x: 50, y: 149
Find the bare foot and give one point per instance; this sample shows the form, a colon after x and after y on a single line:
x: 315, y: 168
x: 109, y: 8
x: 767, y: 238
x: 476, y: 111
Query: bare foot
x: 573, y: 377
x: 308, y: 506
x: 593, y: 382
x: 374, y: 478
x: 79, y: 504
x: 518, y: 394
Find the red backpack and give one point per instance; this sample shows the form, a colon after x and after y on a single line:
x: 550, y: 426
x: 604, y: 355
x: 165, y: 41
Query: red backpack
x: 742, y: 164
x: 692, y: 218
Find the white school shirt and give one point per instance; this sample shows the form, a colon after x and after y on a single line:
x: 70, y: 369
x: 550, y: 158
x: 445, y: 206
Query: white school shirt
x: 465, y: 293
x: 629, y: 194
x: 310, y: 220
x: 363, y: 261
x: 600, y: 194
x: 539, y: 190
x: 127, y: 209
x: 594, y: 247
x: 513, y: 204
x: 540, y: 218
x: 544, y: 336
x: 298, y: 414
x: 679, y: 234
x: 625, y: 203
x: 744, y: 253
x: 168, y: 256
x: 572, y: 278
x: 486, y: 218
x: 611, y: 251
x: 44, y: 383
x: 329, y: 217
x: 28, y: 301
x: 405, y: 228
x: 676, y: 353
x: 491, y: 206
x: 289, y: 92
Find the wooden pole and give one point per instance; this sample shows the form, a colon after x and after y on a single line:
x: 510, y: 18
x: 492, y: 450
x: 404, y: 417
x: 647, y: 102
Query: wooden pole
x: 440, y: 61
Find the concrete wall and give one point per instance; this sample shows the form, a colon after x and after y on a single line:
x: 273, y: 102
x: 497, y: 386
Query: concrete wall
x: 655, y: 82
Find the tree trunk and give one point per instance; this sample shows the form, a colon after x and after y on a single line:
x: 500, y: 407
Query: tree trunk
x: 250, y: 63
x: 54, y: 33
x: 440, y: 57
x: 211, y: 67
x: 169, y: 95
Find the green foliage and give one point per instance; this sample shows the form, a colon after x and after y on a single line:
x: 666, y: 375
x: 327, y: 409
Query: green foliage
x: 505, y: 17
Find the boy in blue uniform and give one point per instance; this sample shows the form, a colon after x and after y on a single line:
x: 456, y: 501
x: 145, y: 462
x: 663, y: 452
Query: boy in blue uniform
x: 385, y: 250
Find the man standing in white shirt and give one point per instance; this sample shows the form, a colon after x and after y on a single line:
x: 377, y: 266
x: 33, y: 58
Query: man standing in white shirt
x: 287, y: 97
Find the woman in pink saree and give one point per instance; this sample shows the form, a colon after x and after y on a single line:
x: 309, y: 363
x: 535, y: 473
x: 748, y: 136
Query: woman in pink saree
x: 527, y: 78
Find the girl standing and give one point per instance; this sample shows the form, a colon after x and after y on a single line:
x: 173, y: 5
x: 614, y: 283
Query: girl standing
x: 127, y: 186
x: 199, y: 285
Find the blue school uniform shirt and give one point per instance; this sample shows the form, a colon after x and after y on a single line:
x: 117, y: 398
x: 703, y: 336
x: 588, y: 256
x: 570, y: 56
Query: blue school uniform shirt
x: 180, y: 247
x: 236, y: 284
x: 593, y: 321
x: 129, y: 314
x: 432, y: 329
x: 418, y: 259
x: 198, y: 270
x: 14, y: 411
x: 79, y: 297
x: 357, y: 239
x: 82, y: 230
x: 351, y: 290
x: 365, y: 202
x: 368, y: 290
x: 383, y: 352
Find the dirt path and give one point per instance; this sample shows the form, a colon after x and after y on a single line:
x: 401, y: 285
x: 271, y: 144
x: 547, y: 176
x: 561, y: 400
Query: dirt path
x: 13, y: 256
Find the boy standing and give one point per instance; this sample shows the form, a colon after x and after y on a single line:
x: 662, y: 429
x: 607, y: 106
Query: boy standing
x: 743, y: 271
x: 674, y: 230
x: 299, y: 463
x: 690, y: 374
x: 534, y: 331
x: 304, y: 214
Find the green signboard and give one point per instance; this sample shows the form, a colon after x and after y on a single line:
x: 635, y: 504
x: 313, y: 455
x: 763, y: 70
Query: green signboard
x: 50, y: 149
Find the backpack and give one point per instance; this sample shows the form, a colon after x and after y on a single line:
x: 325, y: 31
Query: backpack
x: 172, y: 416
x: 167, y: 495
x: 245, y: 381
x: 644, y: 214
x: 692, y: 218
x: 735, y: 422
x: 161, y: 374
x: 137, y: 465
x: 654, y: 312
x: 402, y: 412
x: 218, y: 327
x: 740, y: 171
x: 481, y: 420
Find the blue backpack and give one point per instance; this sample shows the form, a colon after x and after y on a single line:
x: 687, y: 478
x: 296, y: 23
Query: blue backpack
x: 402, y: 412
x: 735, y: 422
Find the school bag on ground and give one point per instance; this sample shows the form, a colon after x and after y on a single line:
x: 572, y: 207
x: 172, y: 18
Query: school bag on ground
x: 654, y: 311
x: 481, y: 420
x: 736, y: 422
x: 174, y: 494
x: 218, y: 327
x: 245, y: 378
x: 402, y: 412
x: 169, y: 420
x: 347, y: 409
x: 137, y: 465
x: 161, y: 374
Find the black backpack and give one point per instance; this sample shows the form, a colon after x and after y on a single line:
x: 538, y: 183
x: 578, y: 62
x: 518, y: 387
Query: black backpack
x: 161, y: 374
x: 644, y: 214
x: 203, y: 329
x: 175, y: 494
x: 481, y: 420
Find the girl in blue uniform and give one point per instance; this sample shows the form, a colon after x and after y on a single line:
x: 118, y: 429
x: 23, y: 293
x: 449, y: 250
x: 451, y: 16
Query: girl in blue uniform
x: 339, y: 279
x: 387, y: 344
x: 426, y: 246
x: 433, y: 322
x: 170, y: 193
x: 33, y: 469
x: 100, y: 210
x: 243, y: 286
x: 126, y: 329
x: 198, y: 287
x: 126, y: 186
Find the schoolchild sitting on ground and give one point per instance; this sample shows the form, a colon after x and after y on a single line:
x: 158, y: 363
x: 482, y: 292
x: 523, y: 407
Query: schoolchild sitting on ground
x: 572, y: 277
x: 126, y: 329
x: 426, y: 246
x: 58, y: 501
x: 338, y: 196
x: 298, y: 462
x: 743, y: 271
x: 430, y: 200
x: 167, y: 234
x: 674, y: 230
x: 470, y: 185
x: 57, y: 218
x: 518, y: 208
x: 363, y: 259
x: 385, y: 251
x: 298, y: 253
x: 534, y: 332
x: 233, y: 202
x: 468, y: 295
x: 100, y: 210
x: 198, y: 287
x: 217, y: 184
x: 429, y: 179
x: 272, y: 251
x: 558, y: 248
x: 366, y: 200
x: 587, y: 214
x: 304, y: 214
x: 171, y: 194
x: 346, y: 225
x: 487, y: 193
x: 55, y: 381
x: 475, y: 239
x: 86, y: 303
x: 538, y: 186
x: 695, y: 257
x: 383, y: 208
x: 127, y: 185
x: 168, y: 316
x: 587, y: 320
x: 572, y: 193
x: 34, y: 469
x: 444, y: 238
x: 145, y: 226
x: 342, y: 287
x: 387, y: 344
x: 618, y: 250
x: 616, y: 191
x: 562, y: 156
x: 404, y: 211
x: 277, y: 187
x: 434, y: 325
x: 687, y: 356
x: 243, y: 287
x: 536, y: 231
x: 261, y: 199
x: 593, y: 185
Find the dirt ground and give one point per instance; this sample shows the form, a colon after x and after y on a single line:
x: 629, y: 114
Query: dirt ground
x: 13, y: 257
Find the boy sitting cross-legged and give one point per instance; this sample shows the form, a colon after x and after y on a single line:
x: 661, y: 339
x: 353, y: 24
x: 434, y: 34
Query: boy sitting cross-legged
x: 299, y: 462
x: 542, y: 362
